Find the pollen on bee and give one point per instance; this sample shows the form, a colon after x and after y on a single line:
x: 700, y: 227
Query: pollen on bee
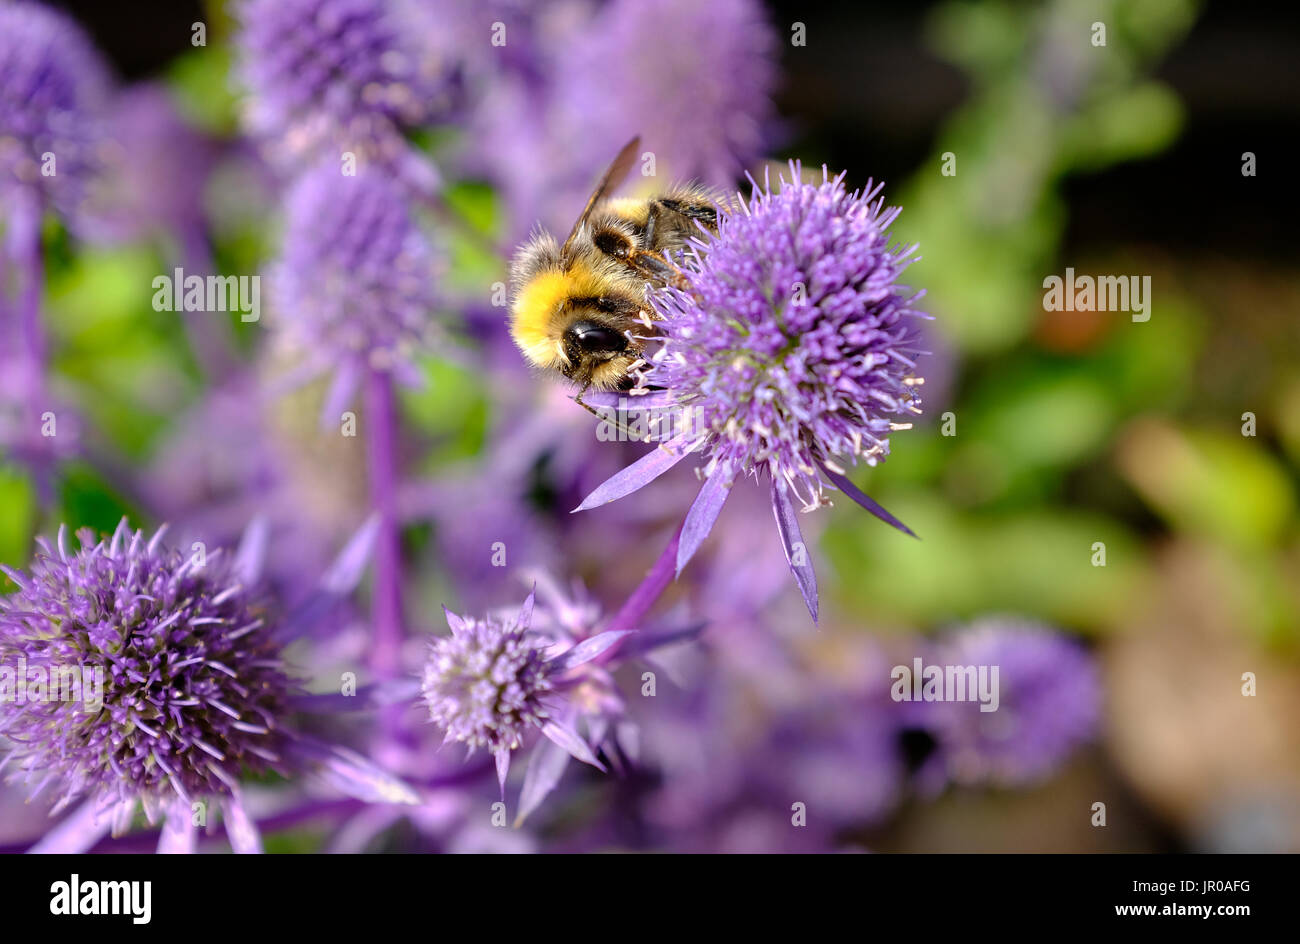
x: 913, y: 381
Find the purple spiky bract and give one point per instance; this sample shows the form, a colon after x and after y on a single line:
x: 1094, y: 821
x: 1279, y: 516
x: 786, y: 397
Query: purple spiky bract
x: 485, y: 682
x: 194, y: 691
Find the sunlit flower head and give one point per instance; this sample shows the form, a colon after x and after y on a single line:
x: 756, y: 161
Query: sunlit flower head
x: 791, y: 353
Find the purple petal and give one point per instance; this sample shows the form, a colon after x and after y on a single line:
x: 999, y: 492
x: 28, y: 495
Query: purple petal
x: 503, y: 768
x: 347, y: 378
x: 251, y: 556
x: 568, y: 739
x: 699, y: 520
x: 178, y: 835
x: 848, y: 488
x: 77, y: 832
x: 350, y: 773
x: 374, y: 695
x: 525, y: 618
x: 639, y: 474
x: 345, y: 573
x: 588, y: 649
x: 648, y: 642
x: 240, y: 830
x: 787, y: 524
x: 545, y: 768
x: 621, y: 401
x: 454, y: 621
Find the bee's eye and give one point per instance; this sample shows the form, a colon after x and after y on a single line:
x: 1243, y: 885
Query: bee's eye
x: 596, y: 338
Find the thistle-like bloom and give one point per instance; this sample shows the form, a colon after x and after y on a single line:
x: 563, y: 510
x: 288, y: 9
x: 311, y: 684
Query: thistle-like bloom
x: 493, y: 681
x: 171, y: 685
x: 328, y: 76
x: 791, y: 353
x: 353, y: 285
x: 53, y: 85
x: 1049, y: 703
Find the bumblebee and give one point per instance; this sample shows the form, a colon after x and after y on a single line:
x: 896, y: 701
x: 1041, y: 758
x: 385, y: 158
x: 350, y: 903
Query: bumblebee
x: 580, y: 308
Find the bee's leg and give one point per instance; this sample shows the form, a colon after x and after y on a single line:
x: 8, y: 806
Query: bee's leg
x: 625, y: 433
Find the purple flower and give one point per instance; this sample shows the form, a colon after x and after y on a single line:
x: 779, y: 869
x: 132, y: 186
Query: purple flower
x: 494, y: 681
x: 328, y: 76
x: 180, y: 686
x: 791, y: 352
x: 1049, y: 703
x: 353, y: 285
x: 154, y: 172
x: 53, y: 85
x: 553, y: 106
x: 694, y: 79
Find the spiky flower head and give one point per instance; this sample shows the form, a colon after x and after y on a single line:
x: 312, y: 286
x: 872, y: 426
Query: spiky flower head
x: 53, y: 85
x: 495, y: 679
x: 789, y: 354
x: 485, y: 683
x: 794, y: 341
x: 193, y: 690
x: 1049, y: 704
x: 327, y: 76
x: 354, y: 282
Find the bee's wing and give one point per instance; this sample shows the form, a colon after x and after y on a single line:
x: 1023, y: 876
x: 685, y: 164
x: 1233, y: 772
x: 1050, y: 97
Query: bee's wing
x: 613, y: 177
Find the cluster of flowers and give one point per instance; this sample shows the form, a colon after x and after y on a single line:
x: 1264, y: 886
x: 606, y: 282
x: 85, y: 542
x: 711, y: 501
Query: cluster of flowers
x: 795, y: 349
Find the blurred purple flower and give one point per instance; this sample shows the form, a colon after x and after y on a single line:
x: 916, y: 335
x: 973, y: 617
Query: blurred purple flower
x: 194, y: 688
x: 329, y: 76
x: 53, y: 86
x: 695, y: 80
x: 155, y: 172
x: 353, y: 285
x: 1049, y: 705
x: 793, y: 347
x: 576, y: 82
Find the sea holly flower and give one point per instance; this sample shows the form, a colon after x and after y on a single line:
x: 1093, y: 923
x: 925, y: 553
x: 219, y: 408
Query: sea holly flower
x: 492, y: 682
x: 1048, y: 704
x: 790, y: 354
x: 328, y: 77
x: 53, y: 88
x: 195, y: 690
x: 353, y: 286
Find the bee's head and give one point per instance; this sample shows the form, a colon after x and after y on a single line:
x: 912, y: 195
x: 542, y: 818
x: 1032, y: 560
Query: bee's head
x: 598, y: 352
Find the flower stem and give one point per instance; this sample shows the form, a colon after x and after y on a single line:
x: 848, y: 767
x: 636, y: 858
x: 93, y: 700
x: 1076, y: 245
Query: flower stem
x: 25, y: 250
x: 633, y: 611
x: 386, y: 599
